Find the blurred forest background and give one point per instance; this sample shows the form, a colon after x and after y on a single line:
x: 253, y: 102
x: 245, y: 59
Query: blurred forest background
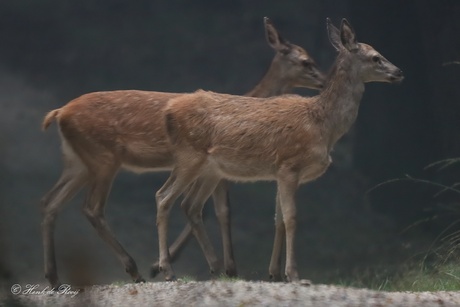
x: 52, y: 51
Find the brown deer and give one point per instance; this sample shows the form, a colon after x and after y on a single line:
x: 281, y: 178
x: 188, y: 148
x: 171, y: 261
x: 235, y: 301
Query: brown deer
x: 287, y: 71
x: 102, y: 132
x: 286, y: 138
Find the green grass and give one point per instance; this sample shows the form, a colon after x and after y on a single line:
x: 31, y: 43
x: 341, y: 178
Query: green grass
x: 439, y: 267
x: 120, y: 283
x: 444, y: 277
x: 186, y: 278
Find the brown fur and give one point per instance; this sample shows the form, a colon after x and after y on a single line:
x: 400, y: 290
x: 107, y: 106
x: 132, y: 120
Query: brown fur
x: 286, y: 138
x: 49, y: 118
x: 104, y: 131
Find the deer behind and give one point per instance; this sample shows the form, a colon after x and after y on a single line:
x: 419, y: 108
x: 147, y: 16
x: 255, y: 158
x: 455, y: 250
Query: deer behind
x: 102, y: 132
x: 287, y: 138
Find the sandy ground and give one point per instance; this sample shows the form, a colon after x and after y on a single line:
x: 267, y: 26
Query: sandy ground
x: 226, y: 293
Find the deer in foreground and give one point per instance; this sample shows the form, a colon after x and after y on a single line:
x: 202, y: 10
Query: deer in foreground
x: 291, y: 67
x: 102, y: 132
x: 286, y: 138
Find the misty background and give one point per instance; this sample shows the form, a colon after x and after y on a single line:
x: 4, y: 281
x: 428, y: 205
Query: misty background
x: 52, y: 51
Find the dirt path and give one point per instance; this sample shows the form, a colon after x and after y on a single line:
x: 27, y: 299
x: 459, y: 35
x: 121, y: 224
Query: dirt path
x: 239, y: 293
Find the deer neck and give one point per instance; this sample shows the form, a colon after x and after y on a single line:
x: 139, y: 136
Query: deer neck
x: 341, y: 98
x: 273, y: 83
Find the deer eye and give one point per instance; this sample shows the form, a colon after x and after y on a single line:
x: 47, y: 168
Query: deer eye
x: 376, y: 59
x: 306, y: 63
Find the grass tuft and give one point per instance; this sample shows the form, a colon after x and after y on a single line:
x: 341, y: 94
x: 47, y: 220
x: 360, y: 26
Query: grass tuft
x: 186, y: 278
x: 439, y: 266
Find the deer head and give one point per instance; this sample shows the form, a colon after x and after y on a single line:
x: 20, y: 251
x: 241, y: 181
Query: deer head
x: 298, y: 65
x: 373, y: 67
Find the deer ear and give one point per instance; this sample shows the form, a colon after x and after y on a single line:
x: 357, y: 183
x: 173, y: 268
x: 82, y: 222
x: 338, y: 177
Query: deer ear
x: 348, y: 36
x: 334, y: 35
x: 274, y: 38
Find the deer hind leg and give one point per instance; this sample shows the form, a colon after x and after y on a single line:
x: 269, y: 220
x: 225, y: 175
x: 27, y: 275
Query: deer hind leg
x: 220, y: 199
x: 287, y: 185
x: 174, y: 250
x: 222, y: 208
x: 74, y: 176
x: 94, y: 211
x: 192, y: 205
x: 275, y: 262
x: 177, y: 183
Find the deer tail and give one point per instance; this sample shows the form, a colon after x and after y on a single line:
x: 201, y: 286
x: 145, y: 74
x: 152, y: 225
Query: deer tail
x: 49, y: 118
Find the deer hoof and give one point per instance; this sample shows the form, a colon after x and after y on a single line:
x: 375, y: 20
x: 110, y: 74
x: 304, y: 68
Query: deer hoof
x: 139, y: 280
x: 231, y: 273
x: 154, y: 271
x: 275, y: 277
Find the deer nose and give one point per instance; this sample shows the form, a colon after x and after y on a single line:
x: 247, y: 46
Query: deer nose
x: 397, y: 76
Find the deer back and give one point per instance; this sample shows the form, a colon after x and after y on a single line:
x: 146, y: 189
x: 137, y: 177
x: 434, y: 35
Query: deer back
x: 123, y: 125
x: 248, y: 138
